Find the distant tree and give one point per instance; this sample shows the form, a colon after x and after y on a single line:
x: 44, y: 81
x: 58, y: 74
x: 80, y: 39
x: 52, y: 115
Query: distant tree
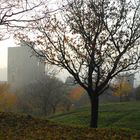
x: 93, y: 40
x: 44, y: 96
x: 122, y: 90
x: 24, y: 103
x: 4, y: 88
x: 137, y: 93
x: 76, y: 93
x: 7, y: 100
x: 83, y: 101
x: 66, y: 103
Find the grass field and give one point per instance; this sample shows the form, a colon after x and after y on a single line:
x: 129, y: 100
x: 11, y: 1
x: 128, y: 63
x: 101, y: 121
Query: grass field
x: 118, y: 115
x: 124, y: 118
x: 24, y: 127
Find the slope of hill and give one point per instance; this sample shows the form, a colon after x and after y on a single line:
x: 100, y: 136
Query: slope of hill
x: 118, y: 115
x: 25, y: 127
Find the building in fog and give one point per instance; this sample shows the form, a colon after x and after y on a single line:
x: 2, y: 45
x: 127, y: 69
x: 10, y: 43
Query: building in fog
x: 23, y: 67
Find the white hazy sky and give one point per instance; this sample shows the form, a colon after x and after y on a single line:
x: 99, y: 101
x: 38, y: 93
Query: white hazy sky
x: 3, y: 62
x: 3, y: 51
x: 10, y: 43
x: 4, y: 55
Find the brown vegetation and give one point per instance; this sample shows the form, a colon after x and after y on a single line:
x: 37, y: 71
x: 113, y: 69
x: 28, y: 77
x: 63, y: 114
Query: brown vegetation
x: 25, y: 127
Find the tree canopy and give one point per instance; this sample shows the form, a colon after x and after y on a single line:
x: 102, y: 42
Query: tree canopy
x: 93, y: 40
x: 18, y: 13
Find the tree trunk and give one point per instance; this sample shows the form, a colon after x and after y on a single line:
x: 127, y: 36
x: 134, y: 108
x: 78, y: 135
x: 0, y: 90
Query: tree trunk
x: 120, y: 97
x: 54, y: 109
x: 94, y: 112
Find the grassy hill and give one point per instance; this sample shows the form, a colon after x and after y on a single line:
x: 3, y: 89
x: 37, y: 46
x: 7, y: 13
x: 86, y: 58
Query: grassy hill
x: 25, y: 127
x: 118, y: 115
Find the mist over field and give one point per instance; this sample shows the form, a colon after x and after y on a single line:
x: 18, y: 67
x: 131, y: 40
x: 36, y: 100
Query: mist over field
x: 69, y: 70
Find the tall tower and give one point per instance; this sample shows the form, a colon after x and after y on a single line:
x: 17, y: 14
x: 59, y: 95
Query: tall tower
x: 23, y: 68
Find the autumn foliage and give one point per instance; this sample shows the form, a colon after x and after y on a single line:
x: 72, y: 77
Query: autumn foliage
x: 7, y: 99
x: 76, y: 93
x: 122, y: 89
x: 19, y: 127
x: 93, y: 40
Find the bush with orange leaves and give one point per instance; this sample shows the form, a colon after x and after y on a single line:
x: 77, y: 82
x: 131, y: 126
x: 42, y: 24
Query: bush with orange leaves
x: 7, y: 99
x: 76, y: 93
x: 122, y: 90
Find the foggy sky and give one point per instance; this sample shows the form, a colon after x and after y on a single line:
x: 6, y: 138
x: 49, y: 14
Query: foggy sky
x: 3, y: 74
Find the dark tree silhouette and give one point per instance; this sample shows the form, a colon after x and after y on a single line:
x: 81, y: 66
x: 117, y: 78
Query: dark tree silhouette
x: 94, y: 40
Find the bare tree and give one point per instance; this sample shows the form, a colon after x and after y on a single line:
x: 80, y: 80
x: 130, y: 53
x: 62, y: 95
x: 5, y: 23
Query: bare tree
x: 44, y: 96
x: 137, y: 93
x: 18, y: 13
x: 93, y: 40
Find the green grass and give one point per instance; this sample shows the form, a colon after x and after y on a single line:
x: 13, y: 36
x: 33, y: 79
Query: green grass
x: 24, y: 127
x: 118, y: 115
x: 117, y: 121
